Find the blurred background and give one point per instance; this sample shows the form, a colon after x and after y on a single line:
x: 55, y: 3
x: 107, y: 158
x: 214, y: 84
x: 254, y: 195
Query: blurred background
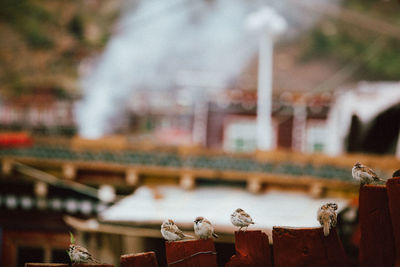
x: 116, y: 115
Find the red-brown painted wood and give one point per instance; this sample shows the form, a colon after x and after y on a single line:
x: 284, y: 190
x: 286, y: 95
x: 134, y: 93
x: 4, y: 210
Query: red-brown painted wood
x: 147, y: 259
x: 307, y: 247
x: 377, y: 241
x: 183, y: 253
x: 31, y: 264
x: 393, y: 191
x: 252, y: 249
x: 92, y: 265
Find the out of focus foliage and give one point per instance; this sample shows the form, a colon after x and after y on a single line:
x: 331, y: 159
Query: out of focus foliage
x: 374, y: 55
x: 27, y: 18
x: 43, y: 41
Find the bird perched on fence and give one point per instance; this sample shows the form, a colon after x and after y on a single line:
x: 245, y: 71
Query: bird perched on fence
x: 363, y: 174
x: 396, y: 174
x: 171, y: 232
x: 78, y: 254
x: 327, y: 216
x: 203, y: 228
x: 241, y: 219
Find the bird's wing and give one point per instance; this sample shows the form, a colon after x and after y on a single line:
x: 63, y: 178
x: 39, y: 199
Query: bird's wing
x: 178, y: 231
x: 82, y: 249
x: 319, y: 216
x: 206, y: 221
x: 369, y: 171
x: 364, y: 175
x: 333, y: 219
x: 246, y: 217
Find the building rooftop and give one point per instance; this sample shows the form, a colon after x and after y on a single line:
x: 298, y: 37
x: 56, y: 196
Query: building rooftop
x: 151, y: 206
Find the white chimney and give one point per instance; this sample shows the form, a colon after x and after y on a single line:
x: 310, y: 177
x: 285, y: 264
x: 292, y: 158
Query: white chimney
x: 268, y: 24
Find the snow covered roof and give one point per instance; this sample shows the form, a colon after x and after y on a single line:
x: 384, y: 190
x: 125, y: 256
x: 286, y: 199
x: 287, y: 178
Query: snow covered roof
x: 274, y: 208
x: 367, y: 101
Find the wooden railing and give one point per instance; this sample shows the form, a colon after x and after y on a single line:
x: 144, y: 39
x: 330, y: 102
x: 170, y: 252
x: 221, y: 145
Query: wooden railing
x: 256, y: 171
x: 379, y: 245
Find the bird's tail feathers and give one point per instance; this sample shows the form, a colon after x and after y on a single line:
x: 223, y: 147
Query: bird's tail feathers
x: 380, y: 179
x: 185, y: 236
x: 94, y: 260
x: 326, y: 228
x: 214, y: 235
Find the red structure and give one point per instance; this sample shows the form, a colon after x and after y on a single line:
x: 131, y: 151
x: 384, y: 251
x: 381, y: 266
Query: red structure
x: 65, y: 265
x: 377, y: 241
x: 15, y: 139
x: 252, y: 249
x: 92, y: 265
x: 46, y: 265
x: 307, y: 247
x: 147, y: 259
x: 393, y: 192
x: 191, y: 253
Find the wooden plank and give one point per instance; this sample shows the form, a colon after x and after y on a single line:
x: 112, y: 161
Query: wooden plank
x: 252, y: 249
x: 147, y: 259
x: 92, y: 265
x: 196, y: 253
x: 393, y: 191
x: 377, y: 241
x: 230, y: 175
x: 7, y: 166
x: 307, y: 247
x: 29, y: 264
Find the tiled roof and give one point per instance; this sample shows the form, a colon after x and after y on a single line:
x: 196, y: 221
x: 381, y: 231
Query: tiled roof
x: 176, y: 160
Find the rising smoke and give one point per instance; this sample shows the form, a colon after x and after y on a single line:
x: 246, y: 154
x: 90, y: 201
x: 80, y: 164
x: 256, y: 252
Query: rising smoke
x: 157, y: 39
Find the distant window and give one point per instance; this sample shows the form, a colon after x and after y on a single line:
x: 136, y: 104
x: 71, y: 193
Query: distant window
x: 316, y: 136
x: 240, y: 135
x: 29, y: 254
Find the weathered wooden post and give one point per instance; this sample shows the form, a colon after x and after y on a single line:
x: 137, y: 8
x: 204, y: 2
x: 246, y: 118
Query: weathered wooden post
x: 188, y: 253
x: 92, y: 265
x: 307, y: 247
x: 31, y: 264
x: 67, y: 265
x: 147, y: 259
x: 252, y: 249
x: 377, y: 242
x: 393, y: 192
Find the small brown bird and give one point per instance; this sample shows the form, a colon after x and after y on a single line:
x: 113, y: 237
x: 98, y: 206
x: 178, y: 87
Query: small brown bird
x: 203, y: 228
x: 327, y: 216
x: 363, y: 174
x: 79, y: 254
x: 171, y: 232
x: 396, y: 174
x: 241, y: 219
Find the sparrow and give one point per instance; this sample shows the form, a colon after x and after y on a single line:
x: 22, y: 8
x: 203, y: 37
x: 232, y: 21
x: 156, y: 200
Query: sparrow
x: 396, y: 174
x: 327, y: 216
x: 79, y: 254
x: 171, y: 232
x: 203, y: 228
x: 363, y: 174
x: 241, y: 219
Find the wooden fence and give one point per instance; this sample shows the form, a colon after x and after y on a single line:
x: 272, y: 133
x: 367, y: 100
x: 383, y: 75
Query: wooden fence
x: 379, y: 215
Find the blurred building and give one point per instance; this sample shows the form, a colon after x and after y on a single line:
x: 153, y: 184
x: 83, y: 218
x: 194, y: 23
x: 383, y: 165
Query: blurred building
x: 33, y: 204
x: 177, y: 147
x: 43, y: 112
x: 365, y: 119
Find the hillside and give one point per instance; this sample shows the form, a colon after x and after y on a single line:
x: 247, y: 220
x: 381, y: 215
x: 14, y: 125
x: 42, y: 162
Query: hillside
x: 364, y: 37
x: 43, y: 42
